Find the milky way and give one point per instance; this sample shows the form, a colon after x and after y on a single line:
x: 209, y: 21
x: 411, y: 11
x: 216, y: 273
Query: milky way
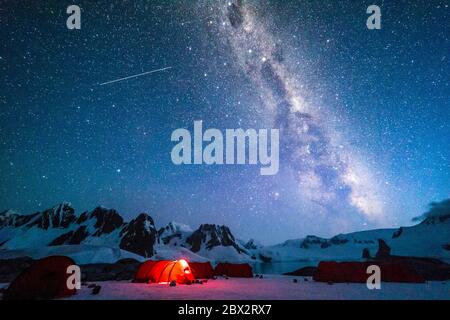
x: 325, y: 171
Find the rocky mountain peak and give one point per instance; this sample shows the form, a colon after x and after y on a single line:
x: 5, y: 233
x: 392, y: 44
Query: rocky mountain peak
x: 310, y: 240
x: 60, y: 216
x: 173, y: 230
x: 139, y: 235
x: 176, y: 227
x: 439, y: 212
x: 210, y: 236
x: 444, y: 218
x: 146, y: 220
x: 107, y: 220
x: 10, y: 218
x: 252, y: 244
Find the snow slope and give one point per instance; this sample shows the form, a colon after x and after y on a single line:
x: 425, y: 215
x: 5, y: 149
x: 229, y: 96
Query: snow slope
x: 268, y: 288
x: 427, y: 239
x: 81, y: 254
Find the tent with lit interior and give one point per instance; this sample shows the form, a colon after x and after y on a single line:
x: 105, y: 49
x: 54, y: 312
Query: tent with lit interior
x: 164, y: 271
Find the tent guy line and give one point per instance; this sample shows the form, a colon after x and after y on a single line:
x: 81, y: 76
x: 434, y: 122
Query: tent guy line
x: 135, y: 76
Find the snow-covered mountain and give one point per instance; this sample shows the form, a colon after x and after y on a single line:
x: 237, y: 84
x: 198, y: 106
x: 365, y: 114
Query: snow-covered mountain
x: 217, y: 243
x: 60, y: 225
x: 59, y: 229
x: 252, y: 244
x: 209, y: 242
x: 103, y: 235
x: 430, y: 238
x: 174, y: 234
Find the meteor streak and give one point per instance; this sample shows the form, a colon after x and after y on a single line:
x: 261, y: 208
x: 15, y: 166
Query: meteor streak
x: 136, y: 75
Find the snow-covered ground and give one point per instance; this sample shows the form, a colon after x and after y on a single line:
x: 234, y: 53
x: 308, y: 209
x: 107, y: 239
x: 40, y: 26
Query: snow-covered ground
x: 269, y: 288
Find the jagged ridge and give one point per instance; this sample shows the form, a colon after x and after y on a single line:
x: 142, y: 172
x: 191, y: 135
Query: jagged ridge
x: 61, y: 226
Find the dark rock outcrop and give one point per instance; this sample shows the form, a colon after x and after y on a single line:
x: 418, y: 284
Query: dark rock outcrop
x: 108, y: 220
x: 252, y: 245
x: 124, y: 269
x: 384, y: 250
x: 304, y: 272
x: 139, y: 236
x: 436, y: 219
x: 60, y: 216
x: 10, y: 219
x: 366, y: 254
x: 72, y: 237
x: 397, y: 233
x: 210, y: 236
x: 264, y: 258
x: 322, y: 242
x: 314, y: 240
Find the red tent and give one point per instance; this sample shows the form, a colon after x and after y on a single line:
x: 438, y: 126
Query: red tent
x: 331, y: 271
x: 242, y: 270
x: 164, y: 271
x: 202, y: 270
x: 44, y: 279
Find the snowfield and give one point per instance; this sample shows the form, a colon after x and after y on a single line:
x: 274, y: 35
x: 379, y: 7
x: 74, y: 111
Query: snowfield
x: 271, y: 287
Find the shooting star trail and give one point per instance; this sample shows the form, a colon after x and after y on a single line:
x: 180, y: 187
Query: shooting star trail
x: 136, y: 75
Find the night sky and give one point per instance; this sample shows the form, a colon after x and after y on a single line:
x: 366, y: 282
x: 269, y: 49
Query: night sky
x: 363, y: 114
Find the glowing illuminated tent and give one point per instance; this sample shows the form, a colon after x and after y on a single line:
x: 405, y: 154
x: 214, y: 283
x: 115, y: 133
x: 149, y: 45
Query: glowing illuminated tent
x: 164, y: 271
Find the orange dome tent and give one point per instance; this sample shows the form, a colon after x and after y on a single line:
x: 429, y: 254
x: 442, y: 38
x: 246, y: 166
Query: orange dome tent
x: 164, y: 271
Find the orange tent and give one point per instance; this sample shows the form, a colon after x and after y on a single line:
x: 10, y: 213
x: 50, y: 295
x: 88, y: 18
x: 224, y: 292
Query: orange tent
x: 240, y: 270
x: 202, y: 270
x: 331, y: 271
x: 44, y: 279
x: 164, y: 271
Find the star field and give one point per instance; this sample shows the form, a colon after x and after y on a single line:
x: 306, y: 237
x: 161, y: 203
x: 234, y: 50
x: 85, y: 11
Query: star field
x: 363, y: 114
